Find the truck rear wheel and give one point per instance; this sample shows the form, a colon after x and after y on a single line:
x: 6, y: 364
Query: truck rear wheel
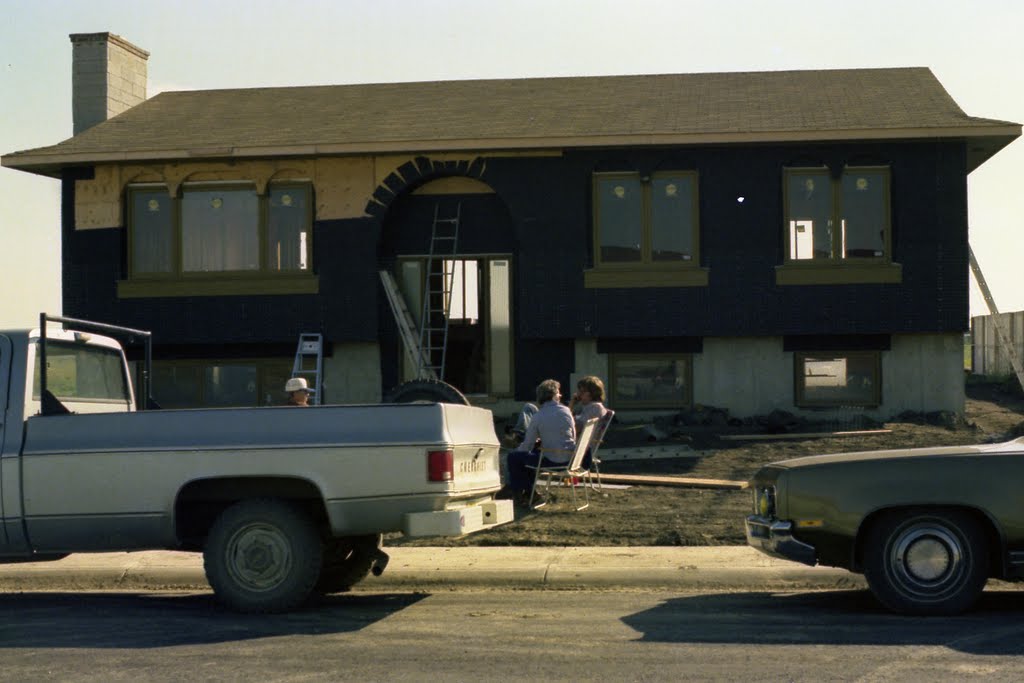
x: 347, y: 561
x: 426, y: 390
x: 262, y: 555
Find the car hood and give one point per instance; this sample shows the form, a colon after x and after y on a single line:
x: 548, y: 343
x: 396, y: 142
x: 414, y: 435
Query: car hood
x: 895, y: 454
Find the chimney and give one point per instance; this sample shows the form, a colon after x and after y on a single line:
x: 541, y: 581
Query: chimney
x: 108, y: 76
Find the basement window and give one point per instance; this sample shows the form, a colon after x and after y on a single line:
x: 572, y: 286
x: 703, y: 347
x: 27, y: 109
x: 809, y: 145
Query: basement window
x: 837, y: 379
x: 216, y: 383
x: 650, y: 380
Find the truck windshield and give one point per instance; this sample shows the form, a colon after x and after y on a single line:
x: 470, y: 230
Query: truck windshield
x: 77, y: 372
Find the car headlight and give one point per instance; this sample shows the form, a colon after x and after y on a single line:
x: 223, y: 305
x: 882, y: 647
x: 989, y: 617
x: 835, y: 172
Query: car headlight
x: 764, y: 501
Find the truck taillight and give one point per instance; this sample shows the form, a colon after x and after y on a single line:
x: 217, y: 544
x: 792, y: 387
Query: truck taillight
x: 440, y: 466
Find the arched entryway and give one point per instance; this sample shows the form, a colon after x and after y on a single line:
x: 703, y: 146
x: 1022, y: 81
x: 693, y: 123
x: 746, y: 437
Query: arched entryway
x: 475, y: 308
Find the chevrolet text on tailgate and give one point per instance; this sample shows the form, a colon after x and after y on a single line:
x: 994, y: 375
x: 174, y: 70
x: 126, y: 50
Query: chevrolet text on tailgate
x: 283, y: 502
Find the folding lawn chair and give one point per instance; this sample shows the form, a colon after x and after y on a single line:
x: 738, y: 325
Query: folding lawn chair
x: 569, y: 471
x: 595, y: 444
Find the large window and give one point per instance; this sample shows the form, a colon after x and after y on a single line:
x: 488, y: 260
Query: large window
x: 650, y: 381
x: 645, y: 225
x: 830, y: 219
x: 833, y: 380
x: 219, y: 229
x: 837, y: 230
x: 215, y: 383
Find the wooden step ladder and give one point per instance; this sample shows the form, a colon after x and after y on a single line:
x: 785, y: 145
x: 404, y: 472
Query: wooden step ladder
x: 309, y: 360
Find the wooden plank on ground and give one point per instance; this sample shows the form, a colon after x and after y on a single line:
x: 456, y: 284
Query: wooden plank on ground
x: 685, y: 482
x: 804, y: 435
x: 651, y: 452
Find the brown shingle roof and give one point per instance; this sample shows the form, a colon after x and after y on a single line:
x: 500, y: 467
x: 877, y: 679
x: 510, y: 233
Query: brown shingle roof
x: 527, y: 113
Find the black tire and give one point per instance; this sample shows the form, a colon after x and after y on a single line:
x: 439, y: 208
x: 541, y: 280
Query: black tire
x: 927, y: 562
x: 262, y: 555
x: 347, y: 561
x: 426, y: 390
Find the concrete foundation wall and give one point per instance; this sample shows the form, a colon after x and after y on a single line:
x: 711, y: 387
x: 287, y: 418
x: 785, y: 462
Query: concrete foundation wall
x: 754, y: 376
x: 588, y: 362
x: 923, y: 372
x: 749, y: 376
x: 352, y: 374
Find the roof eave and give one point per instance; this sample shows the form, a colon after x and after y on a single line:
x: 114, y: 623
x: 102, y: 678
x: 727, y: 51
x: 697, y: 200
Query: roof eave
x: 983, y: 143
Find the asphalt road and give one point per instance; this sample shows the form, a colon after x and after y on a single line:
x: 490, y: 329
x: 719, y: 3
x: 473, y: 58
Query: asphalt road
x: 506, y: 635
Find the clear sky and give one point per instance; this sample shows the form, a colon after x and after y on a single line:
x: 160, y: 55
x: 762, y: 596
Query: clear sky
x: 974, y: 48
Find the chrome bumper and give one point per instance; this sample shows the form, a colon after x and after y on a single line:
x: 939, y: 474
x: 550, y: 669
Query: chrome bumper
x: 775, y: 537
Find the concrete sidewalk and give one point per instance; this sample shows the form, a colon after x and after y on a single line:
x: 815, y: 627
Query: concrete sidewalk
x: 676, y: 568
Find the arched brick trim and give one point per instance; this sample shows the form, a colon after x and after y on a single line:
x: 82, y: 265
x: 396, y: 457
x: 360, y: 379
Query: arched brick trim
x: 420, y: 170
x: 146, y: 174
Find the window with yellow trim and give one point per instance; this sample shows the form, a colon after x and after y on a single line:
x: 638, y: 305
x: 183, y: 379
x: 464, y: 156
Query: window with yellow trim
x: 837, y: 220
x: 219, y: 229
x: 220, y: 383
x: 835, y: 379
x: 641, y: 220
x: 650, y: 380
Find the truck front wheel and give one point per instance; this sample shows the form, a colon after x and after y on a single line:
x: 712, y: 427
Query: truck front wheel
x: 347, y: 561
x: 262, y: 555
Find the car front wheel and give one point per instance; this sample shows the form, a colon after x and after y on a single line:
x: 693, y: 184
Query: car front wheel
x: 926, y: 561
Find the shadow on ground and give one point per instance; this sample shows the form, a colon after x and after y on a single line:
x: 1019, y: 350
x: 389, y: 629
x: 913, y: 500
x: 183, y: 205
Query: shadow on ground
x: 995, y: 627
x: 148, y: 620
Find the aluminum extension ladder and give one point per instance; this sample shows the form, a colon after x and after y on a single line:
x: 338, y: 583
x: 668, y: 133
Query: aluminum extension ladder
x: 437, y: 299
x: 1002, y: 334
x: 310, y: 352
x: 406, y: 326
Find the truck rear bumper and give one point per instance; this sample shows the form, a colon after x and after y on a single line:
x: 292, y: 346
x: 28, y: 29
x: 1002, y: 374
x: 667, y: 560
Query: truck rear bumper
x: 459, y: 521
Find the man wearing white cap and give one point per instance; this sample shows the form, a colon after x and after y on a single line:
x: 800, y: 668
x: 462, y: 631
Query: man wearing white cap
x: 298, y: 391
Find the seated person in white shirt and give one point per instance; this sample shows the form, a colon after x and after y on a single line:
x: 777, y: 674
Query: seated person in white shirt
x: 552, y: 429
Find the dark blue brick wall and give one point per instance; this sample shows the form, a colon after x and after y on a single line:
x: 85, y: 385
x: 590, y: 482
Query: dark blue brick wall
x: 741, y: 243
x: 542, y: 215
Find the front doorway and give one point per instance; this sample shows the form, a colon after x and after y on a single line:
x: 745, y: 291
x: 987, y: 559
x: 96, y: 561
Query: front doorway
x: 477, y: 355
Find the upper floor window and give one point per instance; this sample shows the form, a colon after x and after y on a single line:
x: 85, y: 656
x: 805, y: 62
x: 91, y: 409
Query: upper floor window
x: 835, y: 220
x: 645, y: 220
x: 219, y: 228
x: 642, y: 222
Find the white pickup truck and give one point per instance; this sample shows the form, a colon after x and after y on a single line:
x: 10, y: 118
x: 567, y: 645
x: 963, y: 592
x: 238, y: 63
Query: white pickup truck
x: 283, y: 502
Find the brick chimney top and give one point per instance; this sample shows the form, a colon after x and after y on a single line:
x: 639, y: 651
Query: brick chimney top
x: 108, y: 76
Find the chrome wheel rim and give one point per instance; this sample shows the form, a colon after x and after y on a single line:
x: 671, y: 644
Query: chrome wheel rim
x: 927, y: 559
x: 259, y: 557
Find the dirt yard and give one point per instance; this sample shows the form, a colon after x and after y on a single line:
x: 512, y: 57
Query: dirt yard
x: 658, y: 515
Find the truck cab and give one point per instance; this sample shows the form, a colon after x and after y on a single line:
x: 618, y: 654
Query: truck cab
x: 86, y: 373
